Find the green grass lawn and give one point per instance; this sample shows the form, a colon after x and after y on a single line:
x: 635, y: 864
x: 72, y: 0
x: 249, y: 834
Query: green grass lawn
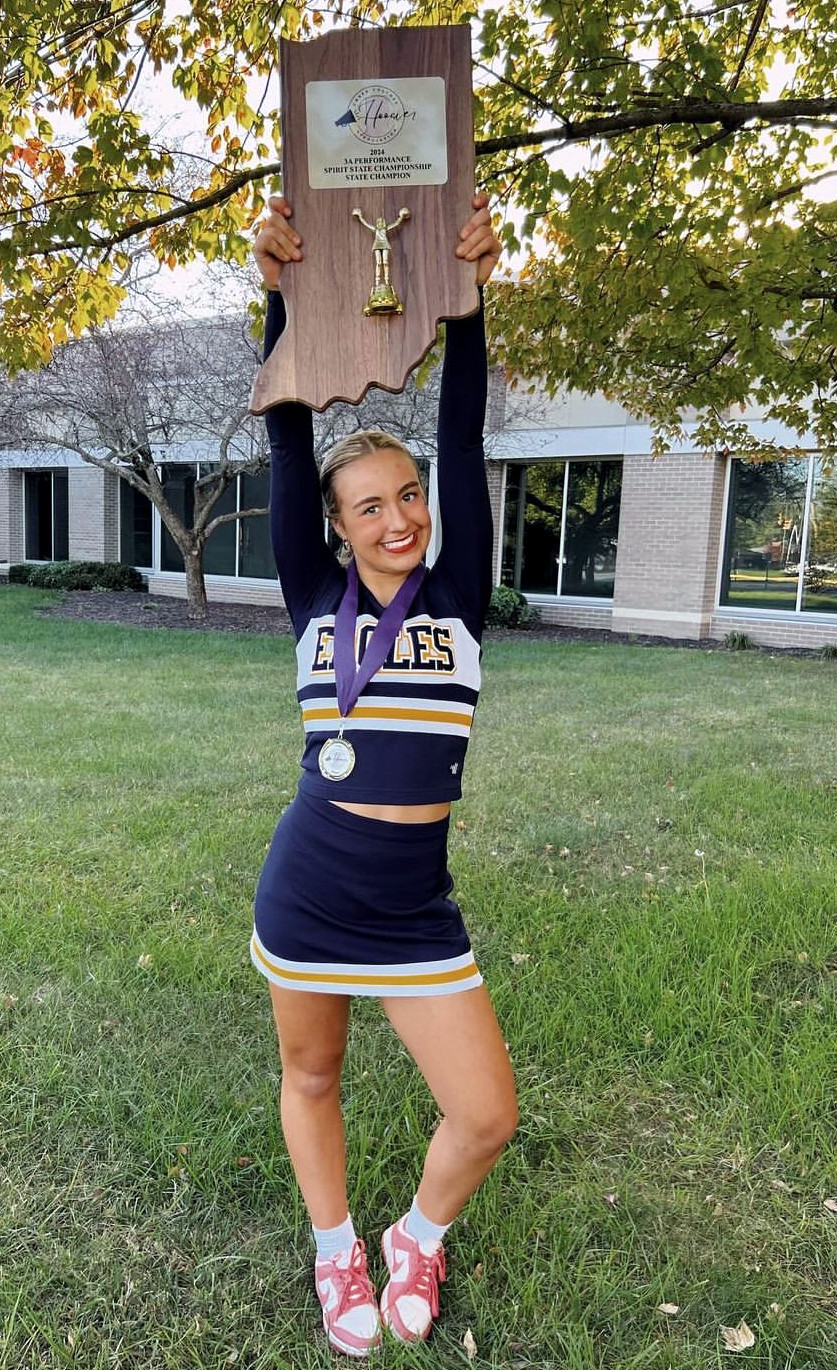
x: 646, y: 859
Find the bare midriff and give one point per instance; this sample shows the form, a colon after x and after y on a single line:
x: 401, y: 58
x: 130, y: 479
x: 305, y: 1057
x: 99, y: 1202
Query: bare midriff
x: 398, y: 813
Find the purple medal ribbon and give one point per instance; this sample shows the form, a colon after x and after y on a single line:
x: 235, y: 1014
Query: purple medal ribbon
x: 351, y: 680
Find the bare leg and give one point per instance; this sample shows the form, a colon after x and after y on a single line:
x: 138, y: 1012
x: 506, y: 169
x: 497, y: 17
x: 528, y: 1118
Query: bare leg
x: 312, y: 1031
x: 457, y: 1045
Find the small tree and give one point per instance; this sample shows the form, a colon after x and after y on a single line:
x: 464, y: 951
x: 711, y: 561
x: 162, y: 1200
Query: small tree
x: 121, y: 399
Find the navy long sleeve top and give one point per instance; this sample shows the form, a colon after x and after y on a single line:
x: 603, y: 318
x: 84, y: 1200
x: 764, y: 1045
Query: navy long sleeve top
x: 411, y: 725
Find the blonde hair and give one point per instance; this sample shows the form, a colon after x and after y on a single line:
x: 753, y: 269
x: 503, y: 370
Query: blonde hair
x: 349, y: 450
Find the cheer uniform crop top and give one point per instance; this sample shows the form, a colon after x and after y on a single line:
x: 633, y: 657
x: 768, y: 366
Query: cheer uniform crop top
x: 410, y: 727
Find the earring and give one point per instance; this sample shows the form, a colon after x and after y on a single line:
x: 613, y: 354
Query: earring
x: 347, y: 546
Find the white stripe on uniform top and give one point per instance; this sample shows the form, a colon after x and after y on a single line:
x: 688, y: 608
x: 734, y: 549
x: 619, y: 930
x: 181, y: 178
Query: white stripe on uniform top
x: 392, y: 713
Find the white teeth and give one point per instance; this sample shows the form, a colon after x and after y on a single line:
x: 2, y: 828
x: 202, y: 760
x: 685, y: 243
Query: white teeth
x: 401, y: 542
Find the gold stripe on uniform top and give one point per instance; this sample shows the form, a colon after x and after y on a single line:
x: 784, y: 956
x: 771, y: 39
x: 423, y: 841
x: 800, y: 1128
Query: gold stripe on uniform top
x: 421, y: 715
x: 439, y: 977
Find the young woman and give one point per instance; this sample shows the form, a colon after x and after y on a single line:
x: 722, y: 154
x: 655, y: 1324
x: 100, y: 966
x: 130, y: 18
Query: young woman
x: 354, y: 898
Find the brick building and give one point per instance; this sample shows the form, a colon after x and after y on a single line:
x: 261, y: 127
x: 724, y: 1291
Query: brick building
x: 592, y: 530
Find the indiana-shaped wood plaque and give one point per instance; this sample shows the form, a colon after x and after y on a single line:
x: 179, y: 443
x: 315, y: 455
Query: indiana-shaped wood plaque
x: 378, y: 166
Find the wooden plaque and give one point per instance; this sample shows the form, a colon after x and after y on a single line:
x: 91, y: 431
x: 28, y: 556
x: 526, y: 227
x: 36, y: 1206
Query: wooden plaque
x: 378, y: 120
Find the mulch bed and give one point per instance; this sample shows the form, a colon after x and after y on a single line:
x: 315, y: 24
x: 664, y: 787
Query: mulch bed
x: 140, y: 610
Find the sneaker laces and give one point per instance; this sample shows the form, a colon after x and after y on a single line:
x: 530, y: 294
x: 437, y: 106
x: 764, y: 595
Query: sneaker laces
x: 429, y: 1274
x: 352, y: 1281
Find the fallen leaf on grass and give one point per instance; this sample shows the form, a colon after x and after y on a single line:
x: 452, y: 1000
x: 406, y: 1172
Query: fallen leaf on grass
x: 778, y: 1312
x: 738, y: 1338
x: 478, y: 1272
x: 610, y: 1197
x: 831, y: 1205
x: 668, y: 1308
x: 144, y: 961
x: 469, y: 1344
x: 518, y: 957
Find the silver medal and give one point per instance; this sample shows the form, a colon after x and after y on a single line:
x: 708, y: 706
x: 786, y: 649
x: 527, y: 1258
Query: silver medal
x: 336, y: 759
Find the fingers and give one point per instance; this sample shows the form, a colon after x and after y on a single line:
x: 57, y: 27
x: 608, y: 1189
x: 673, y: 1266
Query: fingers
x: 477, y: 240
x: 277, y: 242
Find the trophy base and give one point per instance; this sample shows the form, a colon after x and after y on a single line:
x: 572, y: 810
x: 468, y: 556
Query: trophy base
x: 383, y: 300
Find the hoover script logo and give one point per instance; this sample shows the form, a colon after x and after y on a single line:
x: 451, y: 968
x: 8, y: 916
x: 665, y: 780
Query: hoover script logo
x: 386, y: 132
x: 376, y: 114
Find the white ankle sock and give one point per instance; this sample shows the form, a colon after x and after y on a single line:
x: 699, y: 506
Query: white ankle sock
x: 426, y: 1233
x: 332, y: 1240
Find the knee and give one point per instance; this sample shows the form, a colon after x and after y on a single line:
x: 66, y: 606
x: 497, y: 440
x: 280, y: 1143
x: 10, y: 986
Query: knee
x: 493, y: 1126
x: 504, y: 1123
x: 312, y: 1076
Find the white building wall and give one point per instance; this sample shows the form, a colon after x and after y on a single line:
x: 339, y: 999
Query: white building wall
x: 669, y: 544
x: 11, y: 516
x: 93, y: 496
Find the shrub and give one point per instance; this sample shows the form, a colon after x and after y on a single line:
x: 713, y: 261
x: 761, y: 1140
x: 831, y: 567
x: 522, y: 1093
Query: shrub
x: 77, y: 575
x: 738, y: 642
x: 508, y: 609
x: 829, y: 651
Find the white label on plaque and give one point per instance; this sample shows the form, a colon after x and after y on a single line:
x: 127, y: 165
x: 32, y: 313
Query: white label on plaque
x: 376, y: 133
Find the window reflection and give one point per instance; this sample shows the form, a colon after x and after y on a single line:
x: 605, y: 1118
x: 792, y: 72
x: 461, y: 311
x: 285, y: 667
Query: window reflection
x: 819, y: 591
x: 47, y: 527
x: 560, y: 527
x: 765, y: 529
x: 237, y: 548
x: 595, y: 490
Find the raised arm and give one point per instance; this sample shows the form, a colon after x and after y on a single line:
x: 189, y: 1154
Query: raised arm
x: 464, y: 505
x: 303, y: 559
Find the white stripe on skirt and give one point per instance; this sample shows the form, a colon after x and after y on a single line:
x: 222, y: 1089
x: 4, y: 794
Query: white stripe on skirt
x: 418, y: 979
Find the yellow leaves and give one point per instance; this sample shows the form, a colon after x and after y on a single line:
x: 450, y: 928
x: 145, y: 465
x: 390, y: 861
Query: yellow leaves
x: 669, y: 1309
x: 469, y: 1344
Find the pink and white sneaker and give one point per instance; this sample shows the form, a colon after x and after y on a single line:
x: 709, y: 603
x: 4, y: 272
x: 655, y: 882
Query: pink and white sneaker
x: 410, y: 1300
x: 350, y: 1312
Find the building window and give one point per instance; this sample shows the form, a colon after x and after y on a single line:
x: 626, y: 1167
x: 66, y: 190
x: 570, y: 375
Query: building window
x: 46, y: 516
x: 178, y: 482
x: 238, y: 548
x: 255, y: 554
x: 560, y: 528
x: 781, y: 544
x: 136, y: 544
x: 819, y: 586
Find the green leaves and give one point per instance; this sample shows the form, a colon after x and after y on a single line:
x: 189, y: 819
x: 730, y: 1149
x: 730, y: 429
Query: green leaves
x: 678, y: 234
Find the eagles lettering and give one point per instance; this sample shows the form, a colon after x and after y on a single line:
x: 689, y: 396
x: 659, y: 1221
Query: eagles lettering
x: 420, y: 646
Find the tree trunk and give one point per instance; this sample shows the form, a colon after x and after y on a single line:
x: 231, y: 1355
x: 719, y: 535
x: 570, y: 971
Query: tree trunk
x: 195, y: 584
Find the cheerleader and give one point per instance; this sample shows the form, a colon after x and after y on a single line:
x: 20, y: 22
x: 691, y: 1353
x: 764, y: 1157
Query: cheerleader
x: 355, y: 897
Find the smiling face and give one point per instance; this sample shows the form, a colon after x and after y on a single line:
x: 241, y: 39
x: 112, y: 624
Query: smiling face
x: 382, y: 512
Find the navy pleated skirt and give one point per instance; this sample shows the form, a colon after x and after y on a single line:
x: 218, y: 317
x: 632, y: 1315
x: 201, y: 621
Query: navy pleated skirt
x: 353, y: 905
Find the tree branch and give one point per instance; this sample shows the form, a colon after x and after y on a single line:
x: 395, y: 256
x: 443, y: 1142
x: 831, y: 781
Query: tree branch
x: 758, y: 17
x: 732, y: 114
x: 785, y: 192
x: 234, y: 517
x: 215, y: 197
